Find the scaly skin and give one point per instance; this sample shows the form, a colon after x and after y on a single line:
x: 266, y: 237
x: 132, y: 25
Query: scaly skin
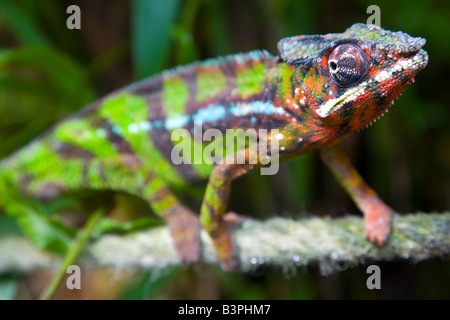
x: 319, y: 90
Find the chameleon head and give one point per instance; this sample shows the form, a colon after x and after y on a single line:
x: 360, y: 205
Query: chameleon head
x: 349, y: 79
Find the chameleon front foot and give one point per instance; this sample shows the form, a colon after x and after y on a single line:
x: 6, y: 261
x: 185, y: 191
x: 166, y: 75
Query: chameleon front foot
x: 378, y: 221
x: 184, y: 228
x: 377, y: 214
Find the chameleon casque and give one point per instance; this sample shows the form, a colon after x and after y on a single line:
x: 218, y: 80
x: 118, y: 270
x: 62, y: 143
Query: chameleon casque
x: 320, y: 89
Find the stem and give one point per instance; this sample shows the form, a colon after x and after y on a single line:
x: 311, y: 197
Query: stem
x: 331, y: 244
x: 72, y: 254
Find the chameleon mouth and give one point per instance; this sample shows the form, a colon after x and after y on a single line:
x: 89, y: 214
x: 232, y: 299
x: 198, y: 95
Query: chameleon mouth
x: 333, y: 105
x: 409, y: 66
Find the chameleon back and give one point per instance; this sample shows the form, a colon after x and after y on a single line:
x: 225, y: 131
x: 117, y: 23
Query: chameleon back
x: 123, y: 141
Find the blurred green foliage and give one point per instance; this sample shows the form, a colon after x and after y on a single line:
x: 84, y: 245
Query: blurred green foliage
x: 48, y: 72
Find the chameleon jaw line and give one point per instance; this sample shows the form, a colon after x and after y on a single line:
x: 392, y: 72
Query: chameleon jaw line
x: 325, y: 109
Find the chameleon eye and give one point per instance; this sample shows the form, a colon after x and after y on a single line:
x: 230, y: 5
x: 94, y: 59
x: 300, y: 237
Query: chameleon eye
x: 347, y: 64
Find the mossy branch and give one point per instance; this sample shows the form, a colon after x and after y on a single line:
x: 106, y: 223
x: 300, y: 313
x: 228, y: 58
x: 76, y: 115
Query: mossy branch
x: 333, y: 244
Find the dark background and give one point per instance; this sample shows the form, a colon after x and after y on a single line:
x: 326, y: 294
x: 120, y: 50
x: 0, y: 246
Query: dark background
x: 48, y: 71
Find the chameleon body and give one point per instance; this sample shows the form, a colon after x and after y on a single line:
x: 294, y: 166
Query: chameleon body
x: 319, y: 89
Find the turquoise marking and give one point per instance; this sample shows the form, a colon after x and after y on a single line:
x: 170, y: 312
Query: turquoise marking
x: 257, y: 107
x: 133, y: 128
x: 176, y: 122
x: 117, y: 130
x: 101, y: 133
x: 255, y: 55
x: 158, y: 124
x: 145, y: 126
x: 239, y: 58
x: 210, y: 114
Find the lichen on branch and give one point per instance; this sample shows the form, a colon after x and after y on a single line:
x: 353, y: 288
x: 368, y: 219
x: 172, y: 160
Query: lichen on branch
x: 332, y: 244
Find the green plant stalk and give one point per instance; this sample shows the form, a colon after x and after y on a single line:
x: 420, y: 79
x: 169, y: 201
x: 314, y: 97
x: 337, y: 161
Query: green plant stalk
x: 73, y: 253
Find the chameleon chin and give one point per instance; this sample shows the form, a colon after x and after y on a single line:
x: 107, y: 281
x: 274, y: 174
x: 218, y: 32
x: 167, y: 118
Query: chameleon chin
x: 319, y: 89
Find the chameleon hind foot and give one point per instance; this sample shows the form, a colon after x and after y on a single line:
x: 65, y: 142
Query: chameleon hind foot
x: 184, y: 228
x: 222, y: 237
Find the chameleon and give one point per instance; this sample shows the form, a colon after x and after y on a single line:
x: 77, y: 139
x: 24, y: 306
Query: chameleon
x: 318, y: 90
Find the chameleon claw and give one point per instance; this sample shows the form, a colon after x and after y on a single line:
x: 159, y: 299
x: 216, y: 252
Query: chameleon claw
x: 378, y: 224
x: 233, y: 218
x: 223, y: 241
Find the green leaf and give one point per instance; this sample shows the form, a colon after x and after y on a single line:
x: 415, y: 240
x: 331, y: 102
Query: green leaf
x: 55, y: 206
x: 151, y: 22
x: 61, y: 70
x: 8, y: 225
x: 107, y: 225
x: 22, y: 27
x: 36, y: 81
x: 149, y: 283
x: 45, y: 233
x: 186, y: 51
x: 108, y: 59
x: 8, y: 287
x: 217, y: 28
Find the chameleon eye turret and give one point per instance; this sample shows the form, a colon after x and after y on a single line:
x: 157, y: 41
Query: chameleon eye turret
x: 347, y: 64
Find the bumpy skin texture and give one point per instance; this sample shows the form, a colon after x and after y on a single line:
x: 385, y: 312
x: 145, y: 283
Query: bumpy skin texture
x: 320, y: 89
